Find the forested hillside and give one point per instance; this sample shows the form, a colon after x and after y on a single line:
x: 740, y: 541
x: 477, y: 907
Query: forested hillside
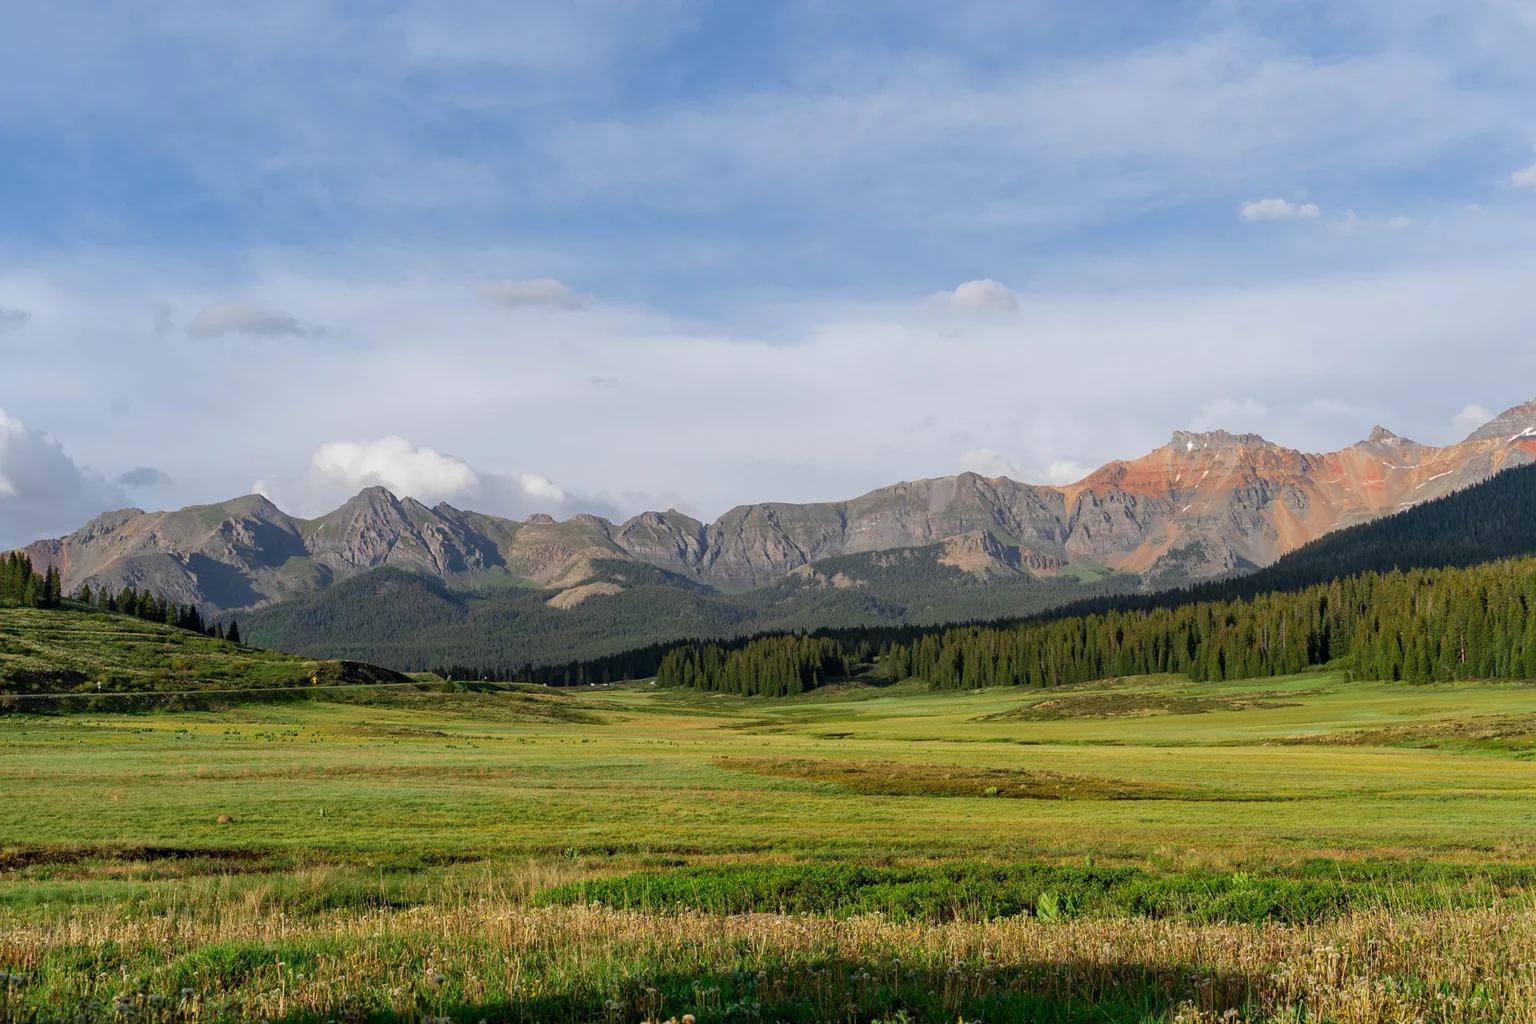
x: 1421, y: 626
x: 411, y: 622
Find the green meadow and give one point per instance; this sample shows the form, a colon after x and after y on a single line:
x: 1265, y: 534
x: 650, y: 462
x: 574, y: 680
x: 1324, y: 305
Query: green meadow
x: 402, y: 851
x: 1296, y: 767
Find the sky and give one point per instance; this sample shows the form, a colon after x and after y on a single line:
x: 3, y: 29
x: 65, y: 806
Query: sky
x: 609, y: 256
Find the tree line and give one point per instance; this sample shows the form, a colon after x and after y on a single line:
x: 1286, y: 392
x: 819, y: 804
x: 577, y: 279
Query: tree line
x: 777, y: 666
x: 1419, y: 626
x: 143, y: 604
x: 21, y: 586
x: 1428, y: 624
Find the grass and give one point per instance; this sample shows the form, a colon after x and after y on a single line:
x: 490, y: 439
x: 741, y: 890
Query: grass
x: 1312, y: 848
x: 49, y: 652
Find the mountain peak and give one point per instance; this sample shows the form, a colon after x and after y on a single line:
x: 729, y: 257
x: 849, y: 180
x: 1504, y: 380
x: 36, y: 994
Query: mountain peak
x: 539, y: 519
x: 1510, y: 424
x: 1381, y: 435
x: 1189, y: 440
x: 375, y: 495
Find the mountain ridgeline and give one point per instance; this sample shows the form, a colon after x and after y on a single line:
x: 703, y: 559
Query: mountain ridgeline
x: 1212, y: 630
x: 394, y: 581
x: 1201, y: 506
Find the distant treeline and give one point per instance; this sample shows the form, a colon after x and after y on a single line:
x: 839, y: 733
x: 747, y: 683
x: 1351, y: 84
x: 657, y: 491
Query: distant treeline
x: 1428, y: 624
x: 641, y: 663
x: 768, y: 667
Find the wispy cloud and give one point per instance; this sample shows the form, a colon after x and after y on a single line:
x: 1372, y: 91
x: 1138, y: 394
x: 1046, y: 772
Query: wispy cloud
x: 1278, y: 209
x: 144, y: 477
x: 226, y: 318
x: 539, y: 291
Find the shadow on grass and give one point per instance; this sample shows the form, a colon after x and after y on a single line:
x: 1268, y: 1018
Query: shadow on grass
x: 845, y: 992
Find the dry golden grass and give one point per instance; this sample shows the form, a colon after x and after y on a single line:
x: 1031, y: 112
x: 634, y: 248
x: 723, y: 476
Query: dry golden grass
x: 491, y: 956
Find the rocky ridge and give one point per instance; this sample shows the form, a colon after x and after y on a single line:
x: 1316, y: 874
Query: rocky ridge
x: 1202, y: 505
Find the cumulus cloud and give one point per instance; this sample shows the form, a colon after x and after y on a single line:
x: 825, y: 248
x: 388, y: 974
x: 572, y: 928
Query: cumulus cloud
x: 42, y: 491
x: 1224, y: 413
x: 225, y: 318
x: 339, y: 469
x: 541, y: 487
x: 1278, y: 209
x: 144, y: 476
x: 395, y: 463
x: 13, y: 319
x: 1066, y: 472
x: 1525, y: 178
x: 1470, y: 418
x: 983, y: 294
x: 544, y: 292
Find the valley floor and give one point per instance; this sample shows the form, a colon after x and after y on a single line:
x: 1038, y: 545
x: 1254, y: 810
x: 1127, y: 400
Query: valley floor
x: 379, y: 839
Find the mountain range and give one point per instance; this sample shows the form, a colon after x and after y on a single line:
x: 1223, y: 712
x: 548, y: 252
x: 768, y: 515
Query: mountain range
x: 1204, y: 505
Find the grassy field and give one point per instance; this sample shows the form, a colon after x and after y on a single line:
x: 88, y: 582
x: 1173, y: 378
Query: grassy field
x: 1209, y: 843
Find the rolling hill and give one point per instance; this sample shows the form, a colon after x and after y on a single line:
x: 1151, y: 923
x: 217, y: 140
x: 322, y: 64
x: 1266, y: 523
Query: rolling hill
x: 60, y: 650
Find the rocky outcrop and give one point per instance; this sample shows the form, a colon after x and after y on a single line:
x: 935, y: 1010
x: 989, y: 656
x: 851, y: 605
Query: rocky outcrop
x: 1204, y: 504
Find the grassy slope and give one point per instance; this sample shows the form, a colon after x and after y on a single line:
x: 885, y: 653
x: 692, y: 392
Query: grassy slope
x: 60, y: 651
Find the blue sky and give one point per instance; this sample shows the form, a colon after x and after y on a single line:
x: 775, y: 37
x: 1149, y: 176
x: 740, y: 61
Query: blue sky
x: 608, y: 255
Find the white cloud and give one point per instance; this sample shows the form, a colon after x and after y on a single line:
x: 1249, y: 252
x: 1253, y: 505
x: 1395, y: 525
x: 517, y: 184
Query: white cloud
x: 1226, y: 414
x: 42, y: 491
x: 539, y: 291
x: 13, y: 319
x: 1067, y: 472
x: 225, y: 318
x: 1278, y: 209
x: 541, y: 487
x: 989, y: 463
x: 339, y: 469
x: 759, y: 410
x: 1469, y: 419
x: 393, y: 462
x: 1525, y: 178
x: 1399, y: 222
x: 982, y: 294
